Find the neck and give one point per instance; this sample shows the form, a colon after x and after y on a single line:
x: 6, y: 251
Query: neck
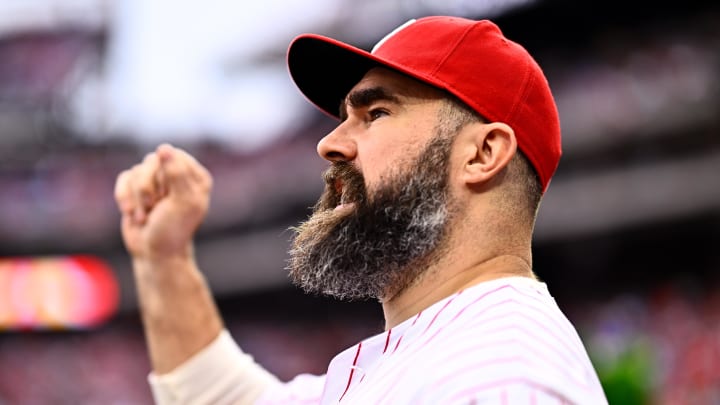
x: 444, y: 279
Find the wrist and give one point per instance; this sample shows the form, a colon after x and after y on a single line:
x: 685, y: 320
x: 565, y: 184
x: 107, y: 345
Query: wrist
x: 166, y: 273
x: 159, y: 259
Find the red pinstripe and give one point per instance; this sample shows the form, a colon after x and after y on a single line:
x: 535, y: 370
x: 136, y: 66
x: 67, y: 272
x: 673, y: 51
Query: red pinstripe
x: 417, y: 317
x: 518, y: 342
x: 440, y: 311
x: 352, y: 371
x: 499, y: 360
x: 515, y: 327
x: 504, y: 382
x: 387, y: 340
x: 418, y: 348
x: 569, y: 347
x: 397, y: 344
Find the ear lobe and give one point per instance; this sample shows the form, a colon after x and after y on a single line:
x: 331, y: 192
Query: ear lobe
x: 494, y: 146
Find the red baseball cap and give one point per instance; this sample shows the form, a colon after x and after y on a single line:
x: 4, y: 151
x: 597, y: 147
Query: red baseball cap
x: 470, y: 59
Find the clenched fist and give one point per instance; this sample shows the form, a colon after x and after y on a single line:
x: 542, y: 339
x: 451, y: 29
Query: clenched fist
x: 163, y: 200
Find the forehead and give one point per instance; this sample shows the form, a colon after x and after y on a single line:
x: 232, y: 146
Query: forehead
x: 397, y: 84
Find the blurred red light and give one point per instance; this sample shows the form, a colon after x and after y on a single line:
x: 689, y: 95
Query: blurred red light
x: 56, y: 293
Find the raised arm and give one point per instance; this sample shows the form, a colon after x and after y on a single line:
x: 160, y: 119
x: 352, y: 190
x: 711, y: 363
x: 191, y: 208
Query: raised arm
x: 163, y: 200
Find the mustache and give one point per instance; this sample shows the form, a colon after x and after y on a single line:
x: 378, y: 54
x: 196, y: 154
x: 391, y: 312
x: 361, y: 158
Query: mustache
x: 344, y: 183
x: 395, y: 231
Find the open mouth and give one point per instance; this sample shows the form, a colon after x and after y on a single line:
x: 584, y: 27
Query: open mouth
x: 344, y: 187
x: 343, y: 197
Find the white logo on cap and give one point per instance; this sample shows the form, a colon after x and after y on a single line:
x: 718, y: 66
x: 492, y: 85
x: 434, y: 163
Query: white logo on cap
x: 393, y: 32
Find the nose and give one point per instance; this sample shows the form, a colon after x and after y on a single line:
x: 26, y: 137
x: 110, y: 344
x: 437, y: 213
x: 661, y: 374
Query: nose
x: 337, y: 146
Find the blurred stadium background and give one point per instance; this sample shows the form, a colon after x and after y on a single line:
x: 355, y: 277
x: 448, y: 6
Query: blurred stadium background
x: 627, y: 237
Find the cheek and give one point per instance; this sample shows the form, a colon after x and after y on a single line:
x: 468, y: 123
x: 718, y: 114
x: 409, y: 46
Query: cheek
x: 381, y: 161
x: 386, y: 150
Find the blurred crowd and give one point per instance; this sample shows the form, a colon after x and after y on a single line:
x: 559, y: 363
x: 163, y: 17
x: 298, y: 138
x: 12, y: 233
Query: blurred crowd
x: 660, y: 348
x: 663, y: 348
x: 65, y: 200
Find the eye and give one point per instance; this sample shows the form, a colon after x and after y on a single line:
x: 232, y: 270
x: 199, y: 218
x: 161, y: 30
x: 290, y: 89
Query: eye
x: 376, y: 113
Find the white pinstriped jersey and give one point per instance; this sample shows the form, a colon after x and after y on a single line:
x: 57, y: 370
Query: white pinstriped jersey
x: 500, y: 342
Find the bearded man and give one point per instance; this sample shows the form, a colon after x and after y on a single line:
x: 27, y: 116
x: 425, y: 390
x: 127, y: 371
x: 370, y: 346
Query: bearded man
x: 448, y: 138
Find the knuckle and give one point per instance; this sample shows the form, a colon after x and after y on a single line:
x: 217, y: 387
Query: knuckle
x: 145, y: 189
x: 200, y: 205
x: 122, y: 193
x: 122, y: 184
x: 136, y: 168
x: 149, y: 157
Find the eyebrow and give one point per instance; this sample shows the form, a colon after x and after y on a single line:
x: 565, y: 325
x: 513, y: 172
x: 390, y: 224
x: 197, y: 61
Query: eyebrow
x: 365, y: 97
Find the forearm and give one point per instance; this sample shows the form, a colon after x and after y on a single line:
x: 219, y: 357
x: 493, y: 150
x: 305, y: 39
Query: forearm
x: 163, y: 200
x: 178, y: 311
x: 219, y: 374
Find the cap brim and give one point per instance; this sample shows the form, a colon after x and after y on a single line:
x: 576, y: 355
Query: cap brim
x: 325, y: 69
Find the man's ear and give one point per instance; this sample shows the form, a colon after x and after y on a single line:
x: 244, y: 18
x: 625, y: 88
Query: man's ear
x: 489, y: 150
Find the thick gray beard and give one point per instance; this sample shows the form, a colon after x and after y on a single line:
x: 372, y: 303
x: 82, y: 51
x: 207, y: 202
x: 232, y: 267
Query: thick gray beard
x: 384, y: 242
